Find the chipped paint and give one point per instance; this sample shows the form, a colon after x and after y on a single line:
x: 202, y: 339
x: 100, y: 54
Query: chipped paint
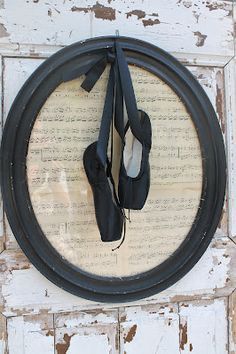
x: 97, y: 316
x: 232, y: 323
x: 217, y: 5
x: 203, y: 324
x: 23, y: 291
x: 31, y: 334
x: 3, y: 334
x: 174, y: 32
x: 62, y: 348
x: 156, y: 324
x: 100, y: 11
x: 220, y: 102
x: 200, y: 38
x: 138, y: 13
x: 50, y: 333
x: 123, y: 317
x: 185, y: 3
x: 3, y: 31
x: 130, y: 335
x: 151, y: 22
x: 88, y: 329
x: 183, y: 335
x: 33, y: 53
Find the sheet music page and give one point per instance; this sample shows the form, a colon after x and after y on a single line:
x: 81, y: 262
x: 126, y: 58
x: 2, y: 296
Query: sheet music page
x: 61, y: 195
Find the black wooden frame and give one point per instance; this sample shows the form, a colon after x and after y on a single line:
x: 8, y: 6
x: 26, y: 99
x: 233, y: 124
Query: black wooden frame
x: 63, y: 66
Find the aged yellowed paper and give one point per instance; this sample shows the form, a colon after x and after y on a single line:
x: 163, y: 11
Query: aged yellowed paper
x: 61, y: 195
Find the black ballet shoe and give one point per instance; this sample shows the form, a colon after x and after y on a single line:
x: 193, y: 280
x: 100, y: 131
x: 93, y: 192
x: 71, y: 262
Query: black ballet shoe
x: 109, y: 215
x: 134, y: 176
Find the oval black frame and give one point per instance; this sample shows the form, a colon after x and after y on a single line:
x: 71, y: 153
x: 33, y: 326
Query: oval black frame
x: 63, y: 66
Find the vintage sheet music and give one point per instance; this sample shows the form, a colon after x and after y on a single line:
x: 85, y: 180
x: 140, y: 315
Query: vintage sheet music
x: 61, y: 195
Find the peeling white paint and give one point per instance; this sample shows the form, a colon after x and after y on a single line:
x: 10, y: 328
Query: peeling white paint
x: 3, y: 335
x: 164, y: 23
x: 209, y: 273
x: 26, y: 336
x: 230, y: 96
x: 27, y: 291
x: 87, y: 332
x: 89, y: 343
x: 232, y: 323
x: 149, y: 330
x: 204, y: 327
x: 85, y: 318
x: 22, y: 69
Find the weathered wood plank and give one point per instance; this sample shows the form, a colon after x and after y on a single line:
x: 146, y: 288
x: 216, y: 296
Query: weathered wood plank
x: 232, y: 323
x: 92, y: 332
x: 3, y: 334
x: 150, y: 329
x: 203, y: 327
x: 230, y: 96
x: 184, y: 22
x: 31, y: 334
x: 25, y: 291
x: 20, y: 69
x: 21, y: 50
x: 212, y: 81
x: 177, y: 26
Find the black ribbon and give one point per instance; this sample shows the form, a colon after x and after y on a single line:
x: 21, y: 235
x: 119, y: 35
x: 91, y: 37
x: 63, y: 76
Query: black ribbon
x: 119, y: 91
x: 95, y: 71
x: 107, y: 116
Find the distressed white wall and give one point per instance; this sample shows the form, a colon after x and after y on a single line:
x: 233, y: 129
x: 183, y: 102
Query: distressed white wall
x: 196, y: 315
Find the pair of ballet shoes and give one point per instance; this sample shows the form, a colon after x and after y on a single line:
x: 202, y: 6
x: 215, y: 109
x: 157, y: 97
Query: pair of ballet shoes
x: 132, y: 192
